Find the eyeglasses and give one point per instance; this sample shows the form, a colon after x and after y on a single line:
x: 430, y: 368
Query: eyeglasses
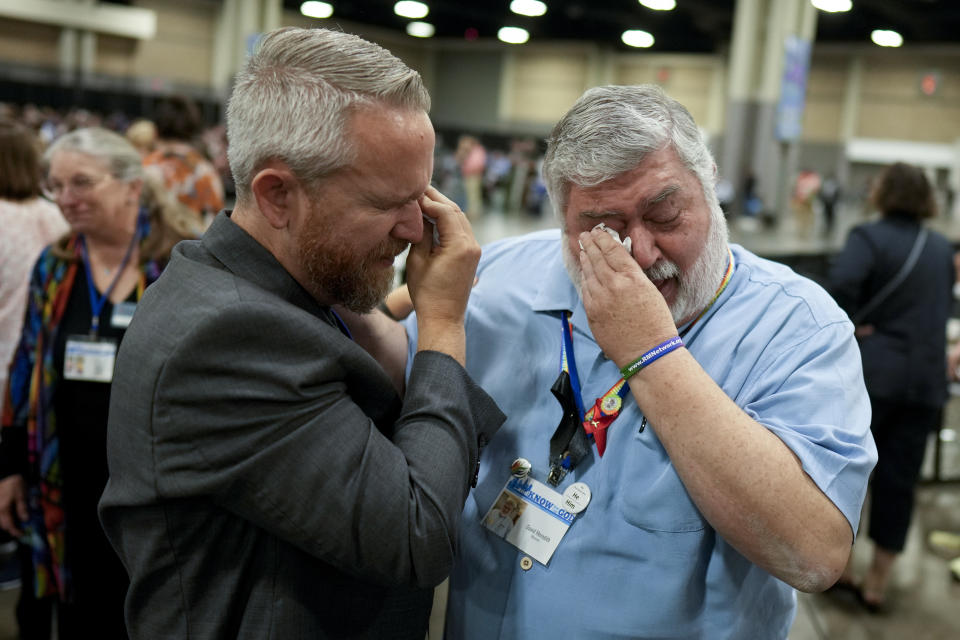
x: 79, y: 185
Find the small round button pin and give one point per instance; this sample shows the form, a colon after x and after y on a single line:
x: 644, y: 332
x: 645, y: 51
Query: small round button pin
x: 520, y: 468
x: 576, y: 497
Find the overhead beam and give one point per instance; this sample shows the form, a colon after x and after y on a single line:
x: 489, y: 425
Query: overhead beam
x: 116, y: 20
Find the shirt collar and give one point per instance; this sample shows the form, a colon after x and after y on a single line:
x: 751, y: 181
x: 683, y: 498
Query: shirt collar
x: 556, y: 291
x: 248, y: 259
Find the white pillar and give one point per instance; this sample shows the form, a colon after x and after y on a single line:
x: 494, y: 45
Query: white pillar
x: 743, y: 50
x: 224, y: 32
x: 247, y: 26
x: 272, y: 14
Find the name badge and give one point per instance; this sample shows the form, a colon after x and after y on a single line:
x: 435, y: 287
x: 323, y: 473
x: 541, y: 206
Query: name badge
x: 89, y: 359
x: 531, y: 516
x: 122, y: 314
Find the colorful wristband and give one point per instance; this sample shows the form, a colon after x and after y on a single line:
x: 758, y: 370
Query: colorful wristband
x: 658, y: 351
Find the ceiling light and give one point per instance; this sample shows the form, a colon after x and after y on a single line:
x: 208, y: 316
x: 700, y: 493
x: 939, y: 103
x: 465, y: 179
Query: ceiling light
x: 314, y: 9
x: 530, y: 8
x: 832, y: 6
x: 637, y: 38
x: 513, y: 35
x: 886, y: 38
x: 420, y: 29
x: 659, y: 5
x: 411, y: 9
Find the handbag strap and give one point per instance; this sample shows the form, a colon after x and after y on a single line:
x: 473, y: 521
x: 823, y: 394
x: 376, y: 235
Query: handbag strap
x: 895, y: 282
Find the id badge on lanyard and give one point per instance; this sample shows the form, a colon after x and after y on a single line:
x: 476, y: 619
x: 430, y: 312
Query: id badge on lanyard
x: 532, y: 516
x: 89, y: 358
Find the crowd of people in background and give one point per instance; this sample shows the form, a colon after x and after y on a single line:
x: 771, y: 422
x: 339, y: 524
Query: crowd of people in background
x: 496, y: 175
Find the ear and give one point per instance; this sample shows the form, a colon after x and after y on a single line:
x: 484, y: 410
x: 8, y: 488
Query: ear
x: 275, y: 189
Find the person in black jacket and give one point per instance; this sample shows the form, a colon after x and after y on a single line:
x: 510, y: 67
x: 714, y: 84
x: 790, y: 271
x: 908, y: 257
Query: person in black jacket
x: 895, y: 281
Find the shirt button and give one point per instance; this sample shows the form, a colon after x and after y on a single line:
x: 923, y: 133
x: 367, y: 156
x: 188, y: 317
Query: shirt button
x: 526, y: 563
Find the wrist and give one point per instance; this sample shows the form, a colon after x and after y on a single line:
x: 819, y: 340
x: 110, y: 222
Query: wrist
x: 445, y: 338
x: 650, y: 356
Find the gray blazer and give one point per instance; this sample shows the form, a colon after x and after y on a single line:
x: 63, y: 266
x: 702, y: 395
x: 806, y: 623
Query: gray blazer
x: 266, y: 481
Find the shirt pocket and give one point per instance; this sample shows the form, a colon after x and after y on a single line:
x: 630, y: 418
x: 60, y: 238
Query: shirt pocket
x: 652, y: 496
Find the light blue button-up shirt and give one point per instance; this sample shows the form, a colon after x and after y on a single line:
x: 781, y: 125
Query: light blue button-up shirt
x: 641, y: 561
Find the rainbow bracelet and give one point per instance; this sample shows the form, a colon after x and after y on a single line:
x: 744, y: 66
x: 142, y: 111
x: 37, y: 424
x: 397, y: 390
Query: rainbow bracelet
x: 658, y: 351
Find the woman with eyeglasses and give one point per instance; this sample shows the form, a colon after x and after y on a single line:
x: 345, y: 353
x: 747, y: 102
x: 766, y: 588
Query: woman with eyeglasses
x: 83, y: 292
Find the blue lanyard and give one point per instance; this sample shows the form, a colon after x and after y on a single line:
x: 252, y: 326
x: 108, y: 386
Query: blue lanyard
x: 97, y: 301
x: 569, y: 364
x: 341, y: 324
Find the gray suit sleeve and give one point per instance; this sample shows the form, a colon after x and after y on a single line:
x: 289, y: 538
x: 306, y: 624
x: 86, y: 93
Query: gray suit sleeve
x: 261, y: 413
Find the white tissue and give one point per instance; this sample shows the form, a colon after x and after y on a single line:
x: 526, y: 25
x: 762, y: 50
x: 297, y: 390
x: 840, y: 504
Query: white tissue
x: 627, y: 243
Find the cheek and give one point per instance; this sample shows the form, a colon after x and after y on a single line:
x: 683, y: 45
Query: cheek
x: 685, y: 248
x: 573, y: 245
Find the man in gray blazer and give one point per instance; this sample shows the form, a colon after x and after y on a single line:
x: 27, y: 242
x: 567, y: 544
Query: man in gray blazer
x: 268, y: 478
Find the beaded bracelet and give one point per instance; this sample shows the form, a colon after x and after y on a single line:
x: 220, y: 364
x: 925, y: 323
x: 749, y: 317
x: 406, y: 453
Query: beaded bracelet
x: 658, y: 351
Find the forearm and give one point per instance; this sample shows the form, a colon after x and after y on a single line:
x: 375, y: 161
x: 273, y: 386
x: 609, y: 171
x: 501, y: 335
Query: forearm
x: 445, y: 337
x: 747, y: 483
x: 382, y: 338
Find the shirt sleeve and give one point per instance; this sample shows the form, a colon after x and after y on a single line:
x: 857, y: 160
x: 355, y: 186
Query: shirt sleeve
x: 812, y: 396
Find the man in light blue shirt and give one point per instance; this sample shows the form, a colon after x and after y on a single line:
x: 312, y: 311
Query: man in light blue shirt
x: 726, y: 471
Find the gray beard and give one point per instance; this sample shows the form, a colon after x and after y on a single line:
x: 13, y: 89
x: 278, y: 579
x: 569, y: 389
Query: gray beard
x: 695, y: 289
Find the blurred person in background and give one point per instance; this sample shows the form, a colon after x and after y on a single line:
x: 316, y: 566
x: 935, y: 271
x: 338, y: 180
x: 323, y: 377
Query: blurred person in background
x: 82, y: 293
x: 142, y: 134
x: 472, y: 160
x: 805, y: 190
x: 829, y: 196
x: 178, y: 161
x: 894, y: 278
x: 29, y: 223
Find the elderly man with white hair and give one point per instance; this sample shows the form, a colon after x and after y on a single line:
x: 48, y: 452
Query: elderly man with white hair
x: 710, y: 449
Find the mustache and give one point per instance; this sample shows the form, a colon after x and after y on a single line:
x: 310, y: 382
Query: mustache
x: 662, y: 270
x: 392, y: 249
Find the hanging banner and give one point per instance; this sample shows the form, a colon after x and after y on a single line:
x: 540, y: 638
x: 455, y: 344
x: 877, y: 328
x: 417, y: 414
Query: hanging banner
x: 793, y: 88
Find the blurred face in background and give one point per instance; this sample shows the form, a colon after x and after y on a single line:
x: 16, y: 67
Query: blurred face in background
x: 91, y: 199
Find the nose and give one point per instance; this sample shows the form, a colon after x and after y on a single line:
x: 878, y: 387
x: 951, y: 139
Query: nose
x: 645, y: 250
x: 409, y: 226
x: 66, y: 197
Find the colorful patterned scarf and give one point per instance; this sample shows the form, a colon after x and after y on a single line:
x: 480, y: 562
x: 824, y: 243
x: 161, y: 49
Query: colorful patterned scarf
x: 32, y: 385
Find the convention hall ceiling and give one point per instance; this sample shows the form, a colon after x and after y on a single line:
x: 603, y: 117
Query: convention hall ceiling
x: 694, y: 26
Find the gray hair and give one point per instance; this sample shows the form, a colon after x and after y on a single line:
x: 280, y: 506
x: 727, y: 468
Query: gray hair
x: 292, y: 100
x: 610, y: 130
x: 117, y: 154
